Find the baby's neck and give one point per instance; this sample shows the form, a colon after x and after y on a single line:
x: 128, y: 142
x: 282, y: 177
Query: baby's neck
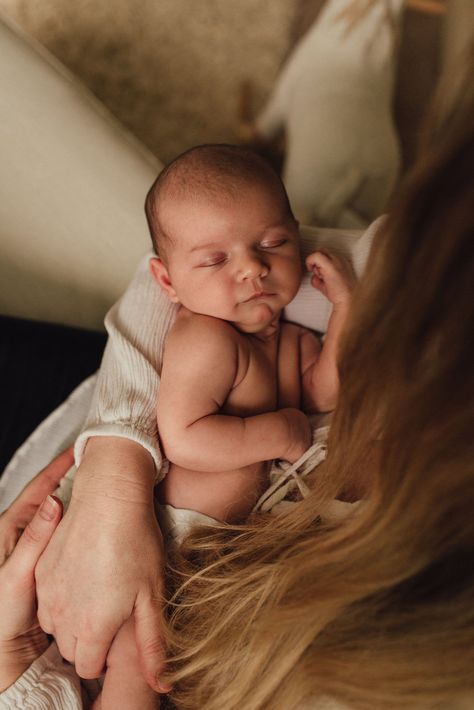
x: 269, y: 332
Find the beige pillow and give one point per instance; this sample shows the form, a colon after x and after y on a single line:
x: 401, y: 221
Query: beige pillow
x: 72, y: 186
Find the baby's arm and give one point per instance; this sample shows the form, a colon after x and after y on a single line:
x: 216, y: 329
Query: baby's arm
x: 124, y: 685
x: 200, y: 367
x: 335, y: 279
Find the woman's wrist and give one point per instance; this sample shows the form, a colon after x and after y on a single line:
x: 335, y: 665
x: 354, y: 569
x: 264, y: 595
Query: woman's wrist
x: 115, y: 467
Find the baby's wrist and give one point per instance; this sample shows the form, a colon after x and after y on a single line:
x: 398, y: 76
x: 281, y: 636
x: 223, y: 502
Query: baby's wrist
x: 342, y: 303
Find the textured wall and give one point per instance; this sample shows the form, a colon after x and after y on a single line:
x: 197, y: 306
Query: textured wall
x: 168, y: 69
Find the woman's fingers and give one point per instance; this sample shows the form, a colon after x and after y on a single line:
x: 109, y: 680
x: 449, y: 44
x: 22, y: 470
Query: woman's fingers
x: 45, y: 482
x: 66, y: 644
x: 150, y: 642
x: 33, y: 541
x: 91, y: 655
x: 15, y: 519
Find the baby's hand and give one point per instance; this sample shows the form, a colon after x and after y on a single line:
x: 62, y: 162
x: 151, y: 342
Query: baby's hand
x: 332, y: 275
x: 299, y: 437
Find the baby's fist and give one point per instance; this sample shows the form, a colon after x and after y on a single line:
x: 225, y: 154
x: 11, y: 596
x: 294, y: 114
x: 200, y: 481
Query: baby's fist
x: 332, y: 275
x: 299, y: 436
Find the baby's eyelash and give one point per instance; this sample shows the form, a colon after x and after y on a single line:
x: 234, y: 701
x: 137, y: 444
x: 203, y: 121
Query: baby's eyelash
x: 273, y: 245
x: 215, y: 262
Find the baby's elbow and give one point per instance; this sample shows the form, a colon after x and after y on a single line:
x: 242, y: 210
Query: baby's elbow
x: 179, y: 451
x: 324, y: 402
x: 325, y: 394
x: 175, y: 453
x: 171, y: 444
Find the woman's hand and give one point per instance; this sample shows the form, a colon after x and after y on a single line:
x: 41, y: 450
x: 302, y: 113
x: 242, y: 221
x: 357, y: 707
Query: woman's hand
x: 25, y: 530
x: 105, y: 562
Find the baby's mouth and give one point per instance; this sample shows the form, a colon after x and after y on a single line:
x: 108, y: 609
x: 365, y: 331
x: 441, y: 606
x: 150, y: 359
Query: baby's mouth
x: 259, y: 294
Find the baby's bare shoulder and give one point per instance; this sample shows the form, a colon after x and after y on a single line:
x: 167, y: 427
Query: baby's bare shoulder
x: 192, y: 330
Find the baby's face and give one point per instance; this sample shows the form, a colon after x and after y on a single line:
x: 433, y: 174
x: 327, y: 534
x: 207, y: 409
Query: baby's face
x: 237, y: 260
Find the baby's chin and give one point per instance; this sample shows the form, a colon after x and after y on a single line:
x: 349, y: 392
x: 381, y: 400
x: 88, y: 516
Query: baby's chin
x: 261, y: 319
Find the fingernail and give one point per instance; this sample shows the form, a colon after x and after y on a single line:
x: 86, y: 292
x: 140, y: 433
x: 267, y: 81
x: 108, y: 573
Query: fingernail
x: 49, y: 507
x: 162, y: 687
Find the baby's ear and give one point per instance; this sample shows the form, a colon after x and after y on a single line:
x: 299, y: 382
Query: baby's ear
x: 160, y: 274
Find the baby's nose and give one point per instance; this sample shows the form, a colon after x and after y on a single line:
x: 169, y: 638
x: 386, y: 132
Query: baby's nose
x: 253, y: 267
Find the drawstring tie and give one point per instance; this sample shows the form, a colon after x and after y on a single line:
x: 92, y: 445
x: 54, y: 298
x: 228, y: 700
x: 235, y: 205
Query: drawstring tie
x: 285, y: 477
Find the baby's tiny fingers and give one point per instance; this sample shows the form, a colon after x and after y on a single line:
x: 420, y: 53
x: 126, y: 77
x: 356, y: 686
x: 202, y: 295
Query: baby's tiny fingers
x: 317, y: 260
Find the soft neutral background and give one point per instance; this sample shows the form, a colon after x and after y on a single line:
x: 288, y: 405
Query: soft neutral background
x: 168, y: 73
x: 170, y: 70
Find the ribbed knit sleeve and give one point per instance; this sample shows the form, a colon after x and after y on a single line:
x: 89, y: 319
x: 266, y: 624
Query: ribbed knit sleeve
x: 50, y: 683
x: 124, y: 401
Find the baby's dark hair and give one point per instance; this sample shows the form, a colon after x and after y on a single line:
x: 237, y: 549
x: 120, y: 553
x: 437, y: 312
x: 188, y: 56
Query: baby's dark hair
x: 213, y: 171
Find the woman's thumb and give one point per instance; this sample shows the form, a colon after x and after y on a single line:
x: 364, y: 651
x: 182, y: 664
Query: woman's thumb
x: 150, y: 643
x: 35, y: 537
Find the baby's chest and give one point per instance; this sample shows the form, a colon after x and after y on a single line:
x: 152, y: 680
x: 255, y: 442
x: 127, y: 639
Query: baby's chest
x: 271, y: 378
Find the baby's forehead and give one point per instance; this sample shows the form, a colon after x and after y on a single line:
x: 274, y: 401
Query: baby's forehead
x: 220, y: 194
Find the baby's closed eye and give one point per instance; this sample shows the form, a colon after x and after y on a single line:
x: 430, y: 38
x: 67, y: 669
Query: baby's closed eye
x: 213, y: 260
x: 273, y: 244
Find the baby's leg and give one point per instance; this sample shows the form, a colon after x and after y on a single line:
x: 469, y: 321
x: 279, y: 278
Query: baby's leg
x: 124, y: 685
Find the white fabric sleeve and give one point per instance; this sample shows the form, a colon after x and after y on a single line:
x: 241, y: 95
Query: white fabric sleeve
x: 124, y: 401
x: 50, y: 683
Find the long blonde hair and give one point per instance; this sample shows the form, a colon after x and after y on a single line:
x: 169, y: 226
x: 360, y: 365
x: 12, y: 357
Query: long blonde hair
x: 375, y: 611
